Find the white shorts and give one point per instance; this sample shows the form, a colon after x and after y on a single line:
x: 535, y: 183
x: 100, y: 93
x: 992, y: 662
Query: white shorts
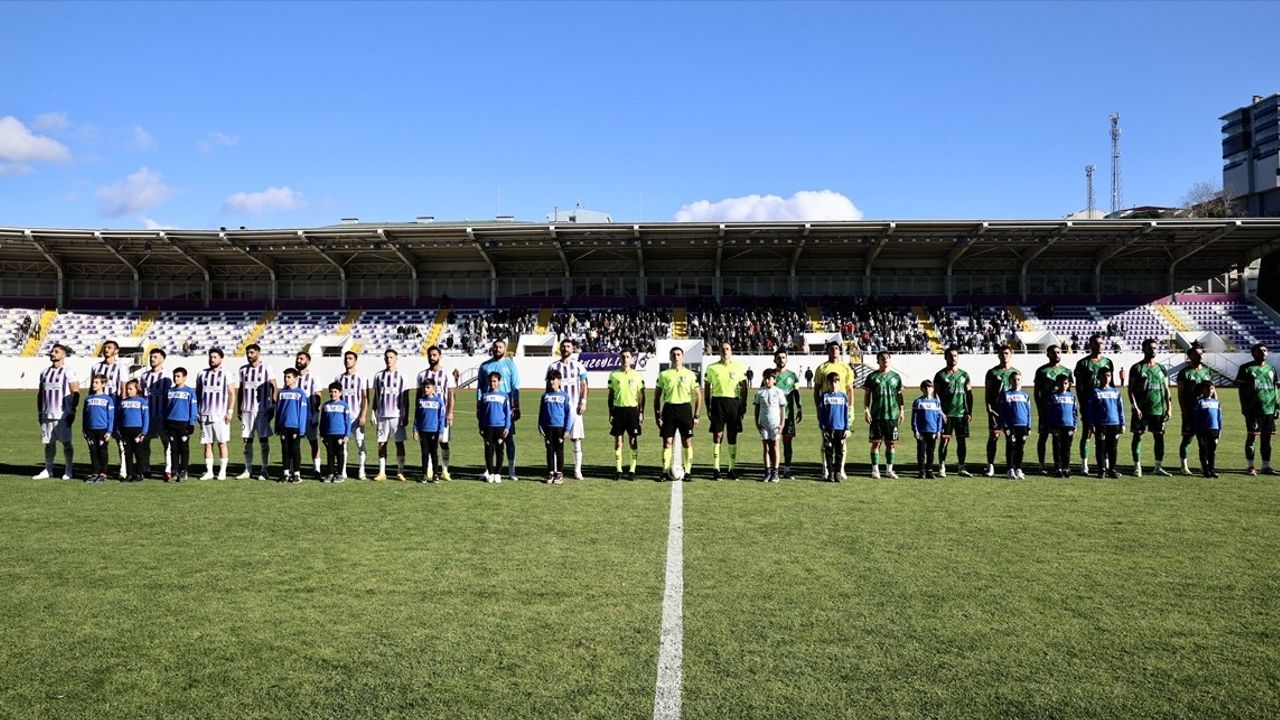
x: 55, y: 431
x: 390, y: 428
x: 770, y: 433
x: 579, y: 429
x: 214, y: 430
x: 255, y: 425
x: 357, y: 431
x: 444, y: 434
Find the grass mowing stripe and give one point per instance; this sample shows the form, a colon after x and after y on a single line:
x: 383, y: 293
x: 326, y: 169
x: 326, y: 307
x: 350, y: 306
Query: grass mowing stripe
x: 666, y: 696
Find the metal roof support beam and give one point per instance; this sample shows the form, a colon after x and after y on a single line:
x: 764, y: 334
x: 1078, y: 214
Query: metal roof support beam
x: 493, y: 269
x: 957, y: 252
x: 1106, y: 254
x: 794, y: 282
x: 342, y: 272
x: 1024, y: 282
x: 201, y: 265
x: 1177, y: 259
x: 61, y: 293
x: 642, y: 285
x: 566, y: 286
x: 871, y: 258
x: 273, y: 292
x: 717, y: 283
x: 137, y: 280
x: 413, y: 269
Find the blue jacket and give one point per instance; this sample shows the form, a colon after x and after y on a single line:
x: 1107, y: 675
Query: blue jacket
x: 1106, y: 407
x: 1207, y: 414
x: 181, y: 406
x: 431, y: 413
x: 926, y: 416
x: 100, y: 413
x: 335, y: 420
x: 1062, y: 411
x: 833, y: 413
x: 506, y: 369
x: 1015, y: 409
x: 556, y: 412
x: 135, y: 414
x: 293, y: 410
x: 494, y: 409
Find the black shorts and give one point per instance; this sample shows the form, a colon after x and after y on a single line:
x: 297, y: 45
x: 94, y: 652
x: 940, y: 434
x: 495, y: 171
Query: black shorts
x: 626, y: 421
x: 994, y: 424
x: 725, y: 414
x: 886, y: 430
x: 957, y: 426
x: 1149, y: 423
x: 1260, y: 423
x: 677, y: 418
x: 789, y: 428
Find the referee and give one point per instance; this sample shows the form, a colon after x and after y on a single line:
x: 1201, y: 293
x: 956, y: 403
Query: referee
x: 676, y: 407
x: 725, y: 385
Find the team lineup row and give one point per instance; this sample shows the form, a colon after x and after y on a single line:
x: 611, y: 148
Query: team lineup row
x: 164, y: 405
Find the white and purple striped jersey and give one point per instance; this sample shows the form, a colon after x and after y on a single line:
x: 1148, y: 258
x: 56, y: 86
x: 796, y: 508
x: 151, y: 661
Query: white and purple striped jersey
x: 388, y: 395
x: 114, y: 373
x: 154, y: 386
x: 355, y: 391
x: 307, y: 384
x: 443, y: 379
x: 255, y: 389
x: 213, y: 392
x: 54, y: 401
x: 572, y: 372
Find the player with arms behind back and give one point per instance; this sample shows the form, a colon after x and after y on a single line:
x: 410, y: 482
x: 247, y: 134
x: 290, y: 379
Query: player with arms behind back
x: 1257, y: 383
x: 626, y: 411
x: 955, y: 392
x: 1191, y: 382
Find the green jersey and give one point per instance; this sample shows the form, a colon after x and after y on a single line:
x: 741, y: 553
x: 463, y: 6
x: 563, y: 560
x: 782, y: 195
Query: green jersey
x: 1087, y: 374
x: 997, y: 381
x: 1149, y: 388
x: 626, y: 387
x: 1257, y: 382
x: 950, y: 389
x: 1046, y: 384
x: 787, y: 382
x: 1191, y: 382
x: 886, y: 395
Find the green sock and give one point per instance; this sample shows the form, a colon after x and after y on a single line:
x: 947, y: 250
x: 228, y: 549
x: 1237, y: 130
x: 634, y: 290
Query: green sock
x: 875, y: 460
x: 617, y: 457
x: 688, y: 458
x: 1137, y: 449
x: 715, y: 456
x: 891, y: 455
x: 666, y: 458
x: 635, y: 456
x: 733, y: 456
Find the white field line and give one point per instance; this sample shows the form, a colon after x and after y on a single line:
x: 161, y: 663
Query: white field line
x: 667, y: 692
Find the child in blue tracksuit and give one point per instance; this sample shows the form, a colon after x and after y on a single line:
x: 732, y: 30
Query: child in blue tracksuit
x: 926, y: 423
x: 1106, y: 412
x: 1015, y: 416
x: 1063, y: 415
x: 334, y: 425
x: 99, y: 424
x: 429, y: 421
x: 493, y: 411
x: 833, y: 420
x: 293, y: 410
x: 133, y: 422
x: 555, y: 420
x: 181, y: 415
x: 1207, y: 423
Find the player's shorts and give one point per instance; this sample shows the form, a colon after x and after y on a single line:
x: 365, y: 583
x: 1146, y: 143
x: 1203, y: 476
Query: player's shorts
x: 883, y: 430
x: 214, y: 430
x: 770, y: 434
x: 955, y: 426
x: 55, y: 431
x: 443, y: 435
x: 994, y: 424
x: 626, y: 421
x: 789, y: 428
x: 677, y: 418
x: 390, y: 429
x: 725, y: 414
x: 312, y: 432
x: 357, y: 431
x: 1149, y: 423
x: 1260, y: 423
x: 579, y: 428
x: 255, y: 425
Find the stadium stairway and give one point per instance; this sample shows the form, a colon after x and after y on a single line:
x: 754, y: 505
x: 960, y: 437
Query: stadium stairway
x: 33, y: 343
x: 257, y: 331
x: 816, y: 324
x: 1174, y: 318
x: 679, y: 323
x: 1024, y: 323
x: 144, y: 323
x: 437, y: 329
x: 926, y: 324
x: 544, y: 321
x: 351, y: 318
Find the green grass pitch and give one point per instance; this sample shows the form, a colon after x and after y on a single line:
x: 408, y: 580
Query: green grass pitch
x: 954, y: 598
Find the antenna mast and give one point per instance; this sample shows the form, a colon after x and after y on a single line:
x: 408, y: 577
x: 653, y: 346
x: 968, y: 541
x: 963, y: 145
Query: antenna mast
x: 1117, y: 189
x: 1088, y: 174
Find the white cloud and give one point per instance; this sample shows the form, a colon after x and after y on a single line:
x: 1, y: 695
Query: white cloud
x: 19, y: 147
x: 804, y: 205
x: 150, y: 224
x: 217, y: 140
x: 271, y: 199
x: 134, y: 194
x: 51, y: 122
x: 142, y: 139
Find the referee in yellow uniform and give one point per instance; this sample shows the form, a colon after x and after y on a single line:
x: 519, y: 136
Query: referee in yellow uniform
x: 676, y: 407
x: 725, y: 385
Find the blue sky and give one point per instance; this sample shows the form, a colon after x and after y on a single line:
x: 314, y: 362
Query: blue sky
x: 270, y: 115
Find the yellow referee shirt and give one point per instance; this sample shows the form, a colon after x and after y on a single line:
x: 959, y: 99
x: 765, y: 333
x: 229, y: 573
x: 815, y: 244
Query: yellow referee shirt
x: 677, y: 386
x: 725, y: 379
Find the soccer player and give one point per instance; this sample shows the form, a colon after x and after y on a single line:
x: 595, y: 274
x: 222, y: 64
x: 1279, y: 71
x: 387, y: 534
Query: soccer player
x: 428, y: 422
x: 677, y: 405
x: 335, y: 426
x: 181, y: 413
x: 789, y: 383
x: 1044, y: 385
x: 833, y: 420
x: 1106, y: 412
x: 216, y: 393
x: 1191, y: 382
x: 1088, y: 370
x: 771, y: 403
x: 293, y: 412
x: 114, y: 372
x: 1064, y: 415
x: 927, y: 422
x: 355, y: 393
x: 132, y: 423
x: 573, y: 376
x: 555, y: 420
x: 99, y: 424
x: 1257, y: 383
x: 257, y: 397
x: 955, y: 392
x: 494, y: 412
x: 1015, y: 417
x: 391, y: 412
x: 446, y: 383
x: 154, y: 384
x: 509, y: 377
x: 882, y: 398
x: 626, y: 411
x: 1208, y: 427
x: 1151, y: 403
x: 307, y: 384
x: 996, y: 382
x: 56, y: 403
x: 725, y: 387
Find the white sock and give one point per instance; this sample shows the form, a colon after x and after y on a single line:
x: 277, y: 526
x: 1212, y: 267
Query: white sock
x: 577, y: 457
x: 208, y: 464
x: 316, y: 461
x: 222, y: 467
x: 363, y: 457
x: 382, y: 466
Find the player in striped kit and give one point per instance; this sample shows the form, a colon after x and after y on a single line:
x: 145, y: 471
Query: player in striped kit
x: 155, y: 384
x: 445, y: 386
x: 114, y: 372
x: 574, y: 383
x: 391, y: 406
x: 307, y: 384
x: 215, y: 392
x: 257, y: 390
x: 355, y: 392
x: 56, y: 403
